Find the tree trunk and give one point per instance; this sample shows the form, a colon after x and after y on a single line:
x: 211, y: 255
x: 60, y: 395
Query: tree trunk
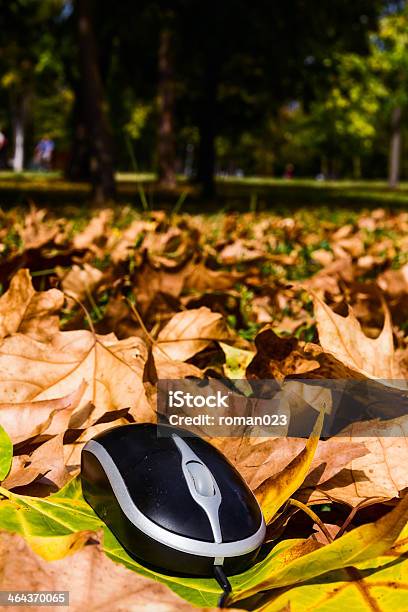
x: 19, y: 121
x: 395, y: 147
x: 166, y: 146
x: 356, y: 167
x: 92, y: 101
x: 78, y: 163
x: 208, y: 130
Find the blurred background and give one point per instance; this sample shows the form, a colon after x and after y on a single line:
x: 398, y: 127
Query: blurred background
x: 182, y: 93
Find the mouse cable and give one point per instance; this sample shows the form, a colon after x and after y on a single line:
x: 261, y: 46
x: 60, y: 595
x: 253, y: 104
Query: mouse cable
x: 223, y: 581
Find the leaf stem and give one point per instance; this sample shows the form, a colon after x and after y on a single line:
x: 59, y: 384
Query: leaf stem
x: 4, y: 492
x: 150, y: 338
x: 313, y: 515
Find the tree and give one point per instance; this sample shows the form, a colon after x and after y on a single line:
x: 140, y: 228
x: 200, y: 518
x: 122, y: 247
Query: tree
x: 245, y: 60
x: 25, y: 64
x: 342, y: 122
x: 166, y: 144
x: 92, y: 137
x: 390, y: 51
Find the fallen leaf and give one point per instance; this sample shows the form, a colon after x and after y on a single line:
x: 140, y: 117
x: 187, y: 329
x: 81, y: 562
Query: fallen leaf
x: 344, y: 338
x: 236, y: 361
x: 239, y: 252
x: 379, y: 474
x: 113, y: 370
x: 348, y: 588
x: 258, y: 461
x: 14, y: 303
x: 24, y: 420
x: 362, y: 544
x: 94, y: 582
x: 80, y: 281
x: 41, y: 318
x: 96, y: 229
x: 189, y: 332
x: 394, y: 282
x: 47, y: 460
x: 279, y: 357
x: 276, y: 490
x: 24, y: 310
x: 35, y: 232
x: 6, y: 453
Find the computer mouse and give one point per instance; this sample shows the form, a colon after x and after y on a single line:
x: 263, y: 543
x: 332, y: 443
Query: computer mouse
x: 172, y: 500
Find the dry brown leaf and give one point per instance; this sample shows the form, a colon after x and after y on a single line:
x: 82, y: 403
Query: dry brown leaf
x: 72, y: 451
x: 119, y: 246
x: 259, y: 459
x: 170, y: 369
x: 238, y: 252
x: 14, y: 303
x: 151, y: 280
x: 80, y: 281
x: 327, y: 279
x: 95, y: 583
x: 279, y: 357
x: 344, y: 338
x: 22, y: 309
x: 394, y: 282
x: 25, y: 420
x: 32, y: 371
x: 201, y: 279
x: 35, y: 232
x: 189, y: 332
x: 381, y: 473
x: 47, y: 460
x: 96, y: 229
x: 41, y: 319
x: 323, y: 257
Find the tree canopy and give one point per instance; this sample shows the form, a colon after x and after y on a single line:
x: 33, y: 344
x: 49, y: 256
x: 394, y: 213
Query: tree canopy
x: 204, y: 88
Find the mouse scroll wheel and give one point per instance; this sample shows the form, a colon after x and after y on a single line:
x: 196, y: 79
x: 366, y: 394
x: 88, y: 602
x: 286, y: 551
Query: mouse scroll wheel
x: 201, y: 477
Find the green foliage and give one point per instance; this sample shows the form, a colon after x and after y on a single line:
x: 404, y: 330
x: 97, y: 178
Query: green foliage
x: 50, y: 524
x: 6, y: 453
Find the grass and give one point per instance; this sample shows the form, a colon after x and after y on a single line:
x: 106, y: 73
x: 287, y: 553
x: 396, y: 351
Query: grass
x: 250, y: 193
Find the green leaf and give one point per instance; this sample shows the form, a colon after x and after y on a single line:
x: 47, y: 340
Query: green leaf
x: 6, y: 453
x: 53, y: 526
x: 59, y: 524
x: 50, y: 524
x: 277, y: 489
x: 236, y: 361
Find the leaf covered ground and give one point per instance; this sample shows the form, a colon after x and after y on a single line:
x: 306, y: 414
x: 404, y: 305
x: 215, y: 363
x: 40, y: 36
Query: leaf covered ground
x: 97, y: 306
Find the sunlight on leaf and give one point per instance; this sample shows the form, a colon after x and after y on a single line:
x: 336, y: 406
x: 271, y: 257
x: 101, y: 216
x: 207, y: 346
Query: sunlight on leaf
x: 6, y: 453
x: 275, y: 491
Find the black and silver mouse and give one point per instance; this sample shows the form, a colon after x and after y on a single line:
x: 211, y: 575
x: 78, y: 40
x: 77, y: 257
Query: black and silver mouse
x: 174, y: 501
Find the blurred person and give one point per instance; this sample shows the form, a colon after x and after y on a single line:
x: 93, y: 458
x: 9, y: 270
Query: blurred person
x: 289, y: 171
x: 3, y: 151
x: 43, y: 153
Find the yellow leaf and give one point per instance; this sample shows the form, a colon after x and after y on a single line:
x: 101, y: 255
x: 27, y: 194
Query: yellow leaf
x: 236, y: 361
x: 362, y: 544
x: 276, y: 490
x: 52, y: 548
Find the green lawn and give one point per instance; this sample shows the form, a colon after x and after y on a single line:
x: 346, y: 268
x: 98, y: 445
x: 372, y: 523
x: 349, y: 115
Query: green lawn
x: 255, y: 193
